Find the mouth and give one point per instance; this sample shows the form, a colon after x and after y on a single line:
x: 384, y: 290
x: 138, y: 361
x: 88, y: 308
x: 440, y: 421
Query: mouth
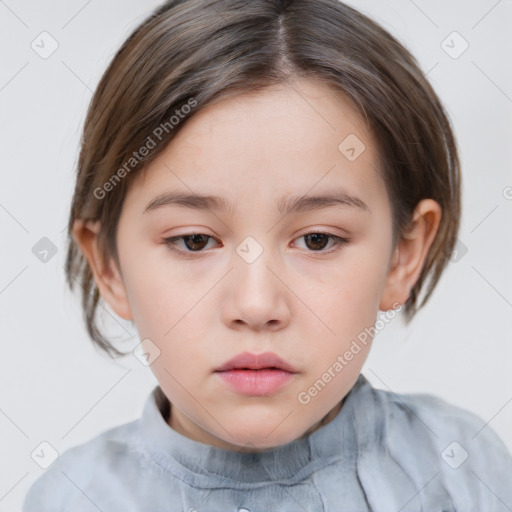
x: 264, y: 361
x: 256, y: 374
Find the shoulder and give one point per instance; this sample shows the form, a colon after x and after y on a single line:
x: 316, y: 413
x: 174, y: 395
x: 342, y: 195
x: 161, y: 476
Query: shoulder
x: 444, y: 420
x: 64, y: 485
x: 462, y: 450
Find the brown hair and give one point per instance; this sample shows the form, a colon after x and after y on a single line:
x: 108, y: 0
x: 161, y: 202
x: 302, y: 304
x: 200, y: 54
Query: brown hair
x: 194, y: 52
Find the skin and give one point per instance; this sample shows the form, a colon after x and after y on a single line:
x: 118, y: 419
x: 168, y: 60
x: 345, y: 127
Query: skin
x: 298, y: 299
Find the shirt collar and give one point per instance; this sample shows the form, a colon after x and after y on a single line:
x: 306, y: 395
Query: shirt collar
x: 197, y: 462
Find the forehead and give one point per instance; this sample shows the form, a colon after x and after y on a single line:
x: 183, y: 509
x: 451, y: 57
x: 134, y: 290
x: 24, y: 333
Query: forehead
x: 296, y: 138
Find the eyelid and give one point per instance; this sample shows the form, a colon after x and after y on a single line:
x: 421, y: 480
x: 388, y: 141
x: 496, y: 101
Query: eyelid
x: 169, y: 242
x: 339, y: 242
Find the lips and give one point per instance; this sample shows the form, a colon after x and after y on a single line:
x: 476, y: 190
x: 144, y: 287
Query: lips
x: 248, y: 361
x: 256, y: 375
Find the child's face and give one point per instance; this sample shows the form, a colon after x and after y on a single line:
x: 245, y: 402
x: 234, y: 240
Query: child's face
x: 303, y: 298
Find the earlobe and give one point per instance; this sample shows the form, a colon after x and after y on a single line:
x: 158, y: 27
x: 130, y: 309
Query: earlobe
x: 410, y: 254
x: 107, y: 276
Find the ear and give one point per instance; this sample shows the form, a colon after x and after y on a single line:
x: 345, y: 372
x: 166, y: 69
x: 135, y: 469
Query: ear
x: 410, y: 254
x: 108, y: 278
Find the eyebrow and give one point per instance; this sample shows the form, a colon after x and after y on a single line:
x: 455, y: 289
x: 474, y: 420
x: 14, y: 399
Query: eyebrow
x: 285, y: 205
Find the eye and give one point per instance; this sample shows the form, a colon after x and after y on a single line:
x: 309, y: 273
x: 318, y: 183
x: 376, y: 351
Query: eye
x: 197, y: 242
x: 317, y: 241
x: 194, y: 242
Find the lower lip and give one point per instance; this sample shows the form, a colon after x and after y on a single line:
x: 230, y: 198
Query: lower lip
x: 256, y: 382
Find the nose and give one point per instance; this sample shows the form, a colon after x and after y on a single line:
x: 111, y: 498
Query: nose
x: 256, y: 297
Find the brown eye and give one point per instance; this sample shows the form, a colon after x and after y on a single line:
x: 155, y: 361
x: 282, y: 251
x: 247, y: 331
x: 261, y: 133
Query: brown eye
x: 196, y: 242
x: 316, y: 241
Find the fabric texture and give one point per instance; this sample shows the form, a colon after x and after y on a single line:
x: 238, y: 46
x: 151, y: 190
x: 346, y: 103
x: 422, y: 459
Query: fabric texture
x: 383, y: 452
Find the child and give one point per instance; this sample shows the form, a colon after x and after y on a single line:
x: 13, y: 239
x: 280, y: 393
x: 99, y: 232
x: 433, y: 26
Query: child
x: 257, y: 179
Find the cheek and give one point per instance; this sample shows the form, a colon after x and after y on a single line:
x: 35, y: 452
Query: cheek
x: 344, y: 294
x: 154, y: 305
x: 159, y: 290
x: 166, y: 310
x: 347, y: 305
x: 169, y: 307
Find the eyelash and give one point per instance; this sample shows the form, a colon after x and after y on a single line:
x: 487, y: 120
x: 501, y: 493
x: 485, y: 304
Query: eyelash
x: 339, y: 242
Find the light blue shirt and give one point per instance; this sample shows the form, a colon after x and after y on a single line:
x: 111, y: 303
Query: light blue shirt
x: 383, y: 452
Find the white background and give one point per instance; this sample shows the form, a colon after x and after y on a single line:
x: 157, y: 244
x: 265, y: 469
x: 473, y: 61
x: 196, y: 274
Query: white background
x: 55, y: 387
